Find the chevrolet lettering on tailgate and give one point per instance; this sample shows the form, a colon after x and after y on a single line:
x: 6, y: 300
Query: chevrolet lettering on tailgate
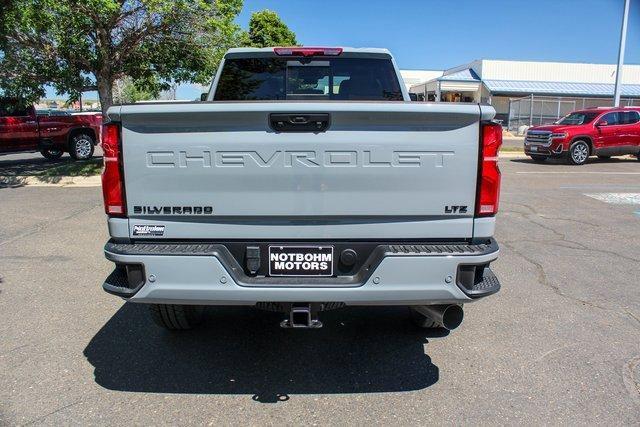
x: 207, y: 159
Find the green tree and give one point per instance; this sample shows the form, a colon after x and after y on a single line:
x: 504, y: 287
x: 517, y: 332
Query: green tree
x: 125, y: 90
x: 71, y: 44
x: 267, y: 29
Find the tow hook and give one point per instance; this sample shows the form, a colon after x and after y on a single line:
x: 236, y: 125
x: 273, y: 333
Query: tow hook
x: 302, y: 316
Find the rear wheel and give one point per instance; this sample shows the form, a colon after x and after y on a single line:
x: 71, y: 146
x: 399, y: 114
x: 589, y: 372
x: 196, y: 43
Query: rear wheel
x: 81, y: 146
x: 51, y: 153
x: 176, y: 317
x: 538, y: 158
x: 578, y: 153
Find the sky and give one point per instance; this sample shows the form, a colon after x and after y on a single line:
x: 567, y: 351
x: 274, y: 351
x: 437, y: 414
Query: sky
x: 441, y: 34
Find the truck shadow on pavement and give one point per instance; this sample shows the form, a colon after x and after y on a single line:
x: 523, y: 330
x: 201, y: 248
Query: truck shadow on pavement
x: 244, y: 351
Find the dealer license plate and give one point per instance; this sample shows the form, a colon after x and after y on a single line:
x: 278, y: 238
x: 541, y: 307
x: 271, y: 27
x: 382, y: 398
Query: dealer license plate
x: 301, y: 261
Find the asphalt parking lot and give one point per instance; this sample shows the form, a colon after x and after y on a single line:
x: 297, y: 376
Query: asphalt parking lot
x: 559, y: 344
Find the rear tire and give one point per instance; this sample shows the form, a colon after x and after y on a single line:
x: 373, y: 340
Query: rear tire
x: 81, y: 146
x: 176, y: 317
x: 538, y: 158
x: 579, y: 152
x: 51, y: 153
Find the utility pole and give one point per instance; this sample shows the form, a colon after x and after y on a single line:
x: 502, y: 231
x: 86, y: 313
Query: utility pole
x: 623, y: 41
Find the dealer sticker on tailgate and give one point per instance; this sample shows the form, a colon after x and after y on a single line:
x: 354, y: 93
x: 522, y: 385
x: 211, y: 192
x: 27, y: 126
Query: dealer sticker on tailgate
x: 300, y: 260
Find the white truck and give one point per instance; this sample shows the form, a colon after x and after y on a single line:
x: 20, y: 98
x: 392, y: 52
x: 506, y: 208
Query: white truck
x: 306, y: 181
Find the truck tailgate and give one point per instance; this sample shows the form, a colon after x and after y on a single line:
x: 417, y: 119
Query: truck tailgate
x: 381, y: 170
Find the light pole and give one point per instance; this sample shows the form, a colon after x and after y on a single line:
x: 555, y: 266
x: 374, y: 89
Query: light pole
x: 623, y: 40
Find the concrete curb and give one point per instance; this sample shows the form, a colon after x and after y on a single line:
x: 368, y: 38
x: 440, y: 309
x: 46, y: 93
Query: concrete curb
x: 50, y: 181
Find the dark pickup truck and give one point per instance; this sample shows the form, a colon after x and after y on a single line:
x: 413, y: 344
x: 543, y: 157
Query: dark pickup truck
x: 22, y: 129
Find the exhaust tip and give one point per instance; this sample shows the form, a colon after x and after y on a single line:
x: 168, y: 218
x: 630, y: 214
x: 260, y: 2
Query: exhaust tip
x: 445, y: 316
x: 452, y: 317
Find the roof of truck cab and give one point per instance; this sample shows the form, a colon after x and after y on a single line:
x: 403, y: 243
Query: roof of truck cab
x: 344, y: 49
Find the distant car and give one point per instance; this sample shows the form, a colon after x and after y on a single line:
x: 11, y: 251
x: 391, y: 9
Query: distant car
x: 52, y: 112
x: 603, y: 132
x: 24, y: 129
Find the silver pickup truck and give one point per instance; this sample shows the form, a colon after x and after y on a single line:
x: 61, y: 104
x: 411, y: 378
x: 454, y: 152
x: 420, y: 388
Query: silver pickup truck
x: 306, y: 181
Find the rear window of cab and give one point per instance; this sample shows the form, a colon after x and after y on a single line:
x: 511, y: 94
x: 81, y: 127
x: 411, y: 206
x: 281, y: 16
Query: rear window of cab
x: 272, y: 79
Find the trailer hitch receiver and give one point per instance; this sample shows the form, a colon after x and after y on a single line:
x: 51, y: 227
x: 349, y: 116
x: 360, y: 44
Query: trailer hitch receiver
x: 302, y: 316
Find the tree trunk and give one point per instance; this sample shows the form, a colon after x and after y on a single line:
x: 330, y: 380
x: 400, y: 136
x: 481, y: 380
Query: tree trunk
x: 105, y: 92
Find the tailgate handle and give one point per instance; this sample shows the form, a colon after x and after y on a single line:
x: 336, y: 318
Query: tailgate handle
x: 300, y: 122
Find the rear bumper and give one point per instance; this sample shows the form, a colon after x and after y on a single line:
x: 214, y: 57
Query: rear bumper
x: 206, y: 274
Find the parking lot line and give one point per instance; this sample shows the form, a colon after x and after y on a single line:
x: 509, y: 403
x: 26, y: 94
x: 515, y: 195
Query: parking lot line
x: 598, y: 186
x: 617, y: 198
x: 575, y: 172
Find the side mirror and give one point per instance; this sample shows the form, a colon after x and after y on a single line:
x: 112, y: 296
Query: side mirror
x: 413, y: 96
x: 602, y: 123
x: 203, y: 96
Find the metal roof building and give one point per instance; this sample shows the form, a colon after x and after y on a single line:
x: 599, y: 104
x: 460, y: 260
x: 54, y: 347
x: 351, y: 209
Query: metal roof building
x: 564, y: 86
x: 559, y: 88
x: 415, y: 77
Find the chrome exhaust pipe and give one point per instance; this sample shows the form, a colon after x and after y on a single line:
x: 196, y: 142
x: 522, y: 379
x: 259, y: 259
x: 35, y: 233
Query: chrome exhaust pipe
x: 447, y: 316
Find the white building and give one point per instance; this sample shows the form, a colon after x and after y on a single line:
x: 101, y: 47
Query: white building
x: 527, y: 92
x: 416, y: 77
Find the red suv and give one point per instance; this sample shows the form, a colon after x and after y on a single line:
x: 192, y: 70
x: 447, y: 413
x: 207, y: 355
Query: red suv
x: 603, y: 132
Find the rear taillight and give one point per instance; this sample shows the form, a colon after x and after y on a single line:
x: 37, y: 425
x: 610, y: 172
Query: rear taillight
x: 307, y: 51
x: 489, y: 173
x: 112, y: 183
